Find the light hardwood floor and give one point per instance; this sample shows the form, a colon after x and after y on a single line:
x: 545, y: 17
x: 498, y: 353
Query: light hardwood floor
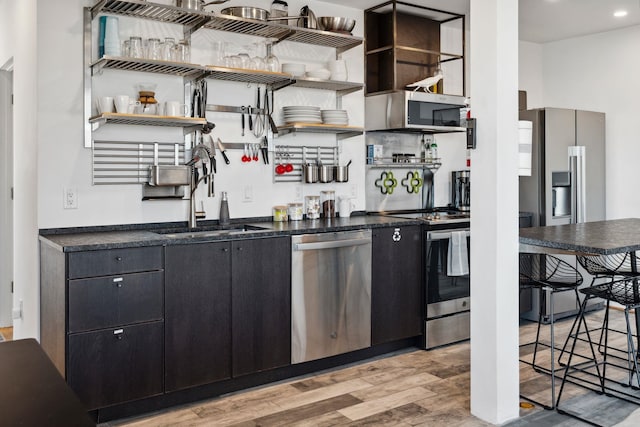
x: 7, y: 333
x: 412, y: 388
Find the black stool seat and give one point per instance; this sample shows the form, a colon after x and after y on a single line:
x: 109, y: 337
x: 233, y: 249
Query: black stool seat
x: 625, y: 292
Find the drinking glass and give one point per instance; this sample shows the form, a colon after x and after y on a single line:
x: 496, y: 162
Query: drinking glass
x: 153, y: 49
x: 219, y: 49
x: 271, y: 61
x: 135, y: 47
x: 167, y: 48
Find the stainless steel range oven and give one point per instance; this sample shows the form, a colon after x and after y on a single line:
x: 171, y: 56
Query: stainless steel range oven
x: 447, y: 284
x: 447, y: 293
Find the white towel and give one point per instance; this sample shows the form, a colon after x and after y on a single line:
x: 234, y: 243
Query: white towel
x: 458, y: 260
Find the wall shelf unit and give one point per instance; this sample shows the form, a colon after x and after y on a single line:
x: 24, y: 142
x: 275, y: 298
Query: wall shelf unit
x: 192, y: 21
x: 406, y: 43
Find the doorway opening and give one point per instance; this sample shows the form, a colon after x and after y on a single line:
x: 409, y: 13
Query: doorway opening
x: 6, y: 200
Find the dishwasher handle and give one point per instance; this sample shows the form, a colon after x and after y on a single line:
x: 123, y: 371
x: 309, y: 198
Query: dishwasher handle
x: 330, y: 244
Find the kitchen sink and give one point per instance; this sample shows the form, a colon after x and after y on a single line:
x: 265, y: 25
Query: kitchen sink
x: 184, y: 233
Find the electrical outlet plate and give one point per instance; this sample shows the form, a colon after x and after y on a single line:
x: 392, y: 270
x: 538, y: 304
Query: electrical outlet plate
x: 70, y: 198
x: 298, y: 196
x: 247, y: 193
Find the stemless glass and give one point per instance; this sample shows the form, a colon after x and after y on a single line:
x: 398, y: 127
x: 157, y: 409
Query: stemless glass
x: 153, y: 49
x: 167, y: 48
x: 135, y: 47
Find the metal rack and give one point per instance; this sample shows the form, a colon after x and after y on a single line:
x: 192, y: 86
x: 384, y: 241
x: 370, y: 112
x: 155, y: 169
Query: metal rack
x: 389, y: 163
x: 298, y: 155
x: 192, y: 20
x: 128, y: 162
x: 341, y: 132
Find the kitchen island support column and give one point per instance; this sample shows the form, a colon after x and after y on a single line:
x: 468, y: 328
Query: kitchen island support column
x: 494, y: 203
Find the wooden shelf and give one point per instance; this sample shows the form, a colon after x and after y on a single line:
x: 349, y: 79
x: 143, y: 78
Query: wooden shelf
x: 146, y: 120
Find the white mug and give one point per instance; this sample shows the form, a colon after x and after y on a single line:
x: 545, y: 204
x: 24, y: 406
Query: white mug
x: 175, y: 108
x: 105, y: 104
x: 345, y: 206
x: 122, y: 103
x: 134, y: 107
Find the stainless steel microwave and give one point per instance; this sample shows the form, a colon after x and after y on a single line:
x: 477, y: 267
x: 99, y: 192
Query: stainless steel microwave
x: 413, y: 111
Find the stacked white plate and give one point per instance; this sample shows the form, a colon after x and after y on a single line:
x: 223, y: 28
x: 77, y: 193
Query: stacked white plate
x: 335, y: 117
x: 301, y: 114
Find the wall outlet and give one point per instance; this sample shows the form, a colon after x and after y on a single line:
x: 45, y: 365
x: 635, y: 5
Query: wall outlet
x: 354, y: 190
x: 298, y: 193
x: 247, y: 193
x: 70, y: 198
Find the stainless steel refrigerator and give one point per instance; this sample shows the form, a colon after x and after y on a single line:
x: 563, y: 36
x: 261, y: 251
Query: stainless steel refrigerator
x: 567, y: 182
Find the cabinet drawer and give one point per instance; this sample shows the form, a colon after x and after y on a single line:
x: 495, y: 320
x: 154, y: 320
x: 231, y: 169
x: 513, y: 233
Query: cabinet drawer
x: 105, y: 302
x: 114, y: 261
x: 112, y: 366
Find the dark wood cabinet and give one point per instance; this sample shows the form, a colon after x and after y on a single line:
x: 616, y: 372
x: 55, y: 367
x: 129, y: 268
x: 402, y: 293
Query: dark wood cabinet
x: 117, y: 365
x: 102, y: 315
x: 261, y: 304
x: 104, y: 302
x: 197, y: 314
x: 396, y: 284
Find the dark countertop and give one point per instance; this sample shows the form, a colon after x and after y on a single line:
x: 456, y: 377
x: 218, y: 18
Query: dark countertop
x: 597, y: 237
x: 33, y: 392
x: 95, y: 238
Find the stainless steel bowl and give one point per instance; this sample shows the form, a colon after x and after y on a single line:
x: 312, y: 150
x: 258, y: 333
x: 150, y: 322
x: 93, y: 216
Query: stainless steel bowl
x: 246, y: 12
x: 336, y: 23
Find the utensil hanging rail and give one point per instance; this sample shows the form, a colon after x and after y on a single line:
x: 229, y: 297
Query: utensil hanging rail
x: 128, y: 162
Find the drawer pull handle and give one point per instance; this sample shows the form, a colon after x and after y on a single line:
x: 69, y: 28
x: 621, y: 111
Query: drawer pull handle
x: 118, y: 258
x: 118, y: 333
x: 118, y: 281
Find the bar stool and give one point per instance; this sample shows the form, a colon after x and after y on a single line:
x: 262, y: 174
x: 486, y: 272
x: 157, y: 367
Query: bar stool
x: 610, y: 268
x: 625, y: 292
x: 553, y: 275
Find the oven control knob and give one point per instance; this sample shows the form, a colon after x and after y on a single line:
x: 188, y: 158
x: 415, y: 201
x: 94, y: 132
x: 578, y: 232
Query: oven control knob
x: 396, y: 235
x: 436, y: 216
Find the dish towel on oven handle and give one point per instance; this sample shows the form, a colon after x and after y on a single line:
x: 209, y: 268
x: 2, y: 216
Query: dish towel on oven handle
x: 458, y: 259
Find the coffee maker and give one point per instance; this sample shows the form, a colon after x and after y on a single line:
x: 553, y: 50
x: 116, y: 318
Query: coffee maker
x: 461, y: 190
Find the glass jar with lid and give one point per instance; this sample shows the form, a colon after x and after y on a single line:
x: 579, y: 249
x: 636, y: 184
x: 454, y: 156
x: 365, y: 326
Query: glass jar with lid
x: 312, y: 207
x: 328, y: 202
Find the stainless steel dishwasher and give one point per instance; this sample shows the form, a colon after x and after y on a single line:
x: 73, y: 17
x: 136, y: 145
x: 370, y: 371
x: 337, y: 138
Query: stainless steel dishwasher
x: 330, y: 294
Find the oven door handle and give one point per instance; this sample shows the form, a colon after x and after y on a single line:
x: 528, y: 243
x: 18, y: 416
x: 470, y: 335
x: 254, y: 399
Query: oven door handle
x: 444, y: 235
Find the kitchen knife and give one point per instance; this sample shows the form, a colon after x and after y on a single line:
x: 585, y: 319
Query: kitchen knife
x: 222, y: 150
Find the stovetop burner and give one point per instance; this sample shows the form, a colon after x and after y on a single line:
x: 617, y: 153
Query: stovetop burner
x: 434, y: 216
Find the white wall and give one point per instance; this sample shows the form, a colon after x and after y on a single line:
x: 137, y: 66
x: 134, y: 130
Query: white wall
x: 600, y: 73
x: 530, y: 73
x: 68, y: 164
x: 19, y: 42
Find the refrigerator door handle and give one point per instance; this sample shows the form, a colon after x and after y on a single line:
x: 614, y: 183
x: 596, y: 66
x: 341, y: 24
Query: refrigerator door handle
x: 577, y: 166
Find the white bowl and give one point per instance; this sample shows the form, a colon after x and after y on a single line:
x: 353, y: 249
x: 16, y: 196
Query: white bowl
x: 320, y: 73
